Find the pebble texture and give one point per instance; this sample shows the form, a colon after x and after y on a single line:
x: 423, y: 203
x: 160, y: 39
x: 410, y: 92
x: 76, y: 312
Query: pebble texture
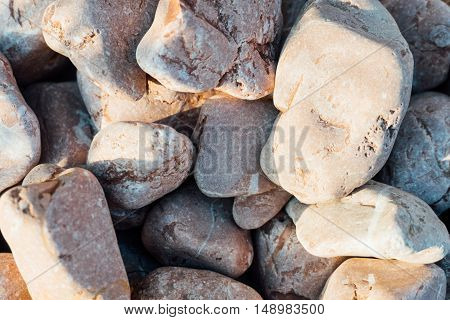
x: 65, y: 124
x: 171, y: 283
x: 372, y: 279
x: 230, y: 134
x: 21, y: 41
x: 188, y: 229
x: 66, y: 231
x: 334, y: 136
x: 376, y: 220
x: 425, y: 24
x: 285, y: 269
x: 252, y: 212
x: 198, y: 45
x: 12, y: 286
x: 420, y: 160
x: 138, y: 163
x: 20, y: 139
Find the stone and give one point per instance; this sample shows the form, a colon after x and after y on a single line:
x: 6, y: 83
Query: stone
x: 445, y: 265
x: 20, y: 139
x: 174, y: 283
x: 21, y: 41
x: 376, y: 220
x: 425, y: 25
x: 65, y: 124
x: 62, y: 238
x: 420, y: 161
x: 340, y: 117
x: 230, y: 134
x: 372, y: 279
x: 252, y: 212
x: 128, y: 219
x: 199, y: 45
x: 291, y: 11
x: 285, y: 269
x: 42, y: 173
x: 188, y: 229
x: 138, y: 163
x: 12, y: 286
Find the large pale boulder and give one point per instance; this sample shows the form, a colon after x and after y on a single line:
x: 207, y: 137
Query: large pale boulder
x: 342, y: 102
x: 376, y: 220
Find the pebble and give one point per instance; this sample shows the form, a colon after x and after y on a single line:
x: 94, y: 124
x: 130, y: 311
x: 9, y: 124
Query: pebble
x: 12, y: 286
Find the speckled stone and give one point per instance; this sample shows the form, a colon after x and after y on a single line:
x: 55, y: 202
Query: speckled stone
x: 172, y: 283
x: 20, y: 139
x: 199, y: 45
x: 420, y: 160
x: 285, y: 269
x: 372, y: 279
x: 12, y: 286
x: 62, y: 238
x: 188, y: 229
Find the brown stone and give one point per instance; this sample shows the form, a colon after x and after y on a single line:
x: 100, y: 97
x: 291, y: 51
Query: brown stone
x: 172, y: 283
x: 285, y: 269
x: 12, y: 286
x: 63, y: 240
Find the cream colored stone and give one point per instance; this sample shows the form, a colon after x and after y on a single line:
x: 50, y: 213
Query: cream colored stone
x: 376, y: 220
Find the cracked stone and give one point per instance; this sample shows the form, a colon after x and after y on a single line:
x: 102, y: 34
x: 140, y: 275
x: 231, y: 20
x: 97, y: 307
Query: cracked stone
x: 12, y: 286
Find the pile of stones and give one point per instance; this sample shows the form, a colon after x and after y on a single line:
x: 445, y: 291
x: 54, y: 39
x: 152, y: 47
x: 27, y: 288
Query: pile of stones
x: 233, y: 149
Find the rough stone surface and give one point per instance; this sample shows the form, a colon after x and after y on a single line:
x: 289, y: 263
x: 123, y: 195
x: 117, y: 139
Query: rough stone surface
x: 291, y: 11
x: 376, y: 220
x: 285, y: 269
x: 372, y: 279
x: 230, y: 135
x: 12, y: 286
x: 445, y: 265
x: 42, y: 173
x: 420, y: 160
x: 65, y: 125
x: 127, y: 219
x: 425, y: 24
x: 199, y: 45
x: 20, y: 140
x: 188, y: 229
x: 342, y: 107
x: 21, y: 41
x: 138, y: 163
x: 251, y: 212
x: 172, y: 283
x: 63, y: 227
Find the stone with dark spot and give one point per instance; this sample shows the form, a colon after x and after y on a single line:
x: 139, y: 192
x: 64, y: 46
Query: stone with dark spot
x: 12, y: 286
x: 173, y: 283
x: 188, y: 229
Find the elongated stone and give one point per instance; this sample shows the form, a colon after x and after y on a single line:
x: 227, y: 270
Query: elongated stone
x: 12, y: 286
x: 376, y: 220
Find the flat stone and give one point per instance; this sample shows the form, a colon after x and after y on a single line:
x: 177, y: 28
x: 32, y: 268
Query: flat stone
x: 285, y: 269
x: 42, y: 173
x: 420, y: 162
x: 188, y: 229
x: 252, y: 212
x: 340, y: 117
x: 66, y: 247
x: 21, y: 41
x: 12, y: 286
x: 196, y: 46
x: 65, y: 124
x: 372, y: 279
x: 138, y: 163
x: 445, y: 265
x: 172, y: 283
x: 425, y: 25
x: 230, y: 134
x: 20, y: 139
x: 376, y: 220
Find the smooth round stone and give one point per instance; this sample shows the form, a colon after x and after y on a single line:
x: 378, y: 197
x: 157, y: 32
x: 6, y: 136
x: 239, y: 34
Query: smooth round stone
x: 252, y: 212
x: 420, y: 160
x: 65, y: 124
x: 20, y: 139
x: 12, y: 286
x: 188, y: 229
x: 138, y: 163
x: 372, y: 279
x: 425, y: 25
x: 342, y: 103
x: 172, y: 283
x: 285, y: 269
x: 42, y: 173
x: 63, y: 240
x: 376, y: 220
